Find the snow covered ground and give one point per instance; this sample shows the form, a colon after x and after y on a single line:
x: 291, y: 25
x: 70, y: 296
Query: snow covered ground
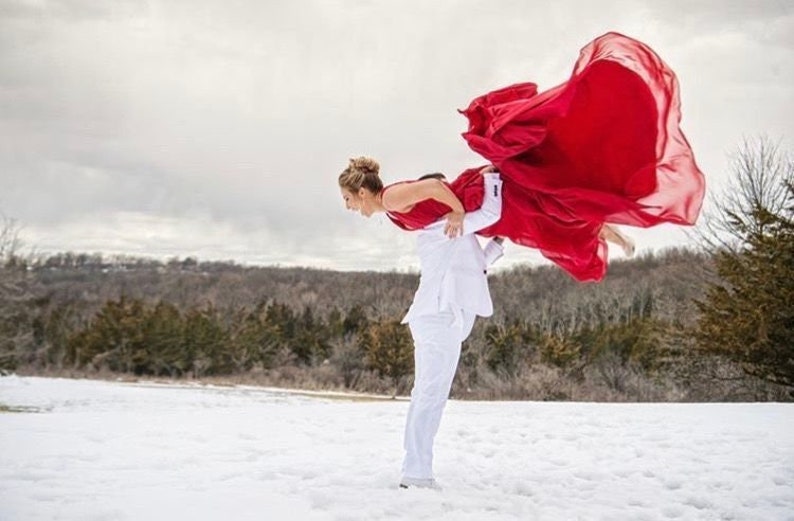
x: 93, y: 450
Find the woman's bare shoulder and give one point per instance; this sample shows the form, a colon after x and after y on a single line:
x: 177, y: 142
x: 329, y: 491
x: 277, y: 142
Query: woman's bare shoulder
x: 401, y: 196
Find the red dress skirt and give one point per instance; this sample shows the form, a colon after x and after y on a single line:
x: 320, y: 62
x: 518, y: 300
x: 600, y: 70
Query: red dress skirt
x: 603, y: 147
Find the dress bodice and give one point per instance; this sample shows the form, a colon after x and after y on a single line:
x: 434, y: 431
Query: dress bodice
x: 420, y: 215
x: 467, y: 187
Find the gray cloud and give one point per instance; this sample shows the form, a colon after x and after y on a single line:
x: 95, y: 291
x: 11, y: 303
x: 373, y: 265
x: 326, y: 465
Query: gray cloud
x: 219, y: 127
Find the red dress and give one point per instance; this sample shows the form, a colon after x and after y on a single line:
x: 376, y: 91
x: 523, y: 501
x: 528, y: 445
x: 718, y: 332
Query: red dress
x: 603, y: 147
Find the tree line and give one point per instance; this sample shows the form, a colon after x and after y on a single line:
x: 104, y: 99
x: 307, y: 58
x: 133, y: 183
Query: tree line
x: 709, y: 324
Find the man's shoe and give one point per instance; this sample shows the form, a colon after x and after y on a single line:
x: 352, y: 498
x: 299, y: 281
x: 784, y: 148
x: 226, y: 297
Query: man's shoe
x: 420, y: 483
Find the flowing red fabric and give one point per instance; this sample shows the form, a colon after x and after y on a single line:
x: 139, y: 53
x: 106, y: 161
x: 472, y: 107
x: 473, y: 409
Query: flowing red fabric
x: 603, y: 147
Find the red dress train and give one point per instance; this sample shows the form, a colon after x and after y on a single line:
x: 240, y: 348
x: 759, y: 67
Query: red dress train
x: 603, y: 147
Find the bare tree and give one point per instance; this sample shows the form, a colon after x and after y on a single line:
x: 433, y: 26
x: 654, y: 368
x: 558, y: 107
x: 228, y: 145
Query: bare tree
x: 14, y: 295
x: 760, y: 171
x: 9, y: 238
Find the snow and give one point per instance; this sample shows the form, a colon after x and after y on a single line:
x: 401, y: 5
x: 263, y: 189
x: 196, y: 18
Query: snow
x: 95, y: 450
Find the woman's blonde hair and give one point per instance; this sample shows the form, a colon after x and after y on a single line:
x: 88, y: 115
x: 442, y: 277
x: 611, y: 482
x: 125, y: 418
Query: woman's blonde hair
x: 361, y: 172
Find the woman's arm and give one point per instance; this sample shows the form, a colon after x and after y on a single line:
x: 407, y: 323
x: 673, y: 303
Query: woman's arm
x: 401, y: 197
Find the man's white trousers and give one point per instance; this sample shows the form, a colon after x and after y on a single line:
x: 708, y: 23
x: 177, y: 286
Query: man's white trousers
x: 437, y: 340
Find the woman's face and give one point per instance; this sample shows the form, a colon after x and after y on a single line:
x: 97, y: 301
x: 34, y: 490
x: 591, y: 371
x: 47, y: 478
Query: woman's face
x: 362, y: 202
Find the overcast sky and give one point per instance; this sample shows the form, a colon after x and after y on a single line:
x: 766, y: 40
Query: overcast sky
x: 217, y: 129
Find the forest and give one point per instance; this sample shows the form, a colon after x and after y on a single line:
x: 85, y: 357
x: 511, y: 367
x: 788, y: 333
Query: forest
x: 714, y: 323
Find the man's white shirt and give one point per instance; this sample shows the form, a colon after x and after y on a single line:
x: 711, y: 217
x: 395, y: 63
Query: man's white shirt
x: 454, y: 271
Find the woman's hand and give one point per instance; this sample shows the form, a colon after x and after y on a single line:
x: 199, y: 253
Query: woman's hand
x: 488, y: 169
x: 454, y: 225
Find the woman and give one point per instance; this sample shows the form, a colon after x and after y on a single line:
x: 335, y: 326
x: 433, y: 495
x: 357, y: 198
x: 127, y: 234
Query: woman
x: 363, y: 191
x: 603, y: 148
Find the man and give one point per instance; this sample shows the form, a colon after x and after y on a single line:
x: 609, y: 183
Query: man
x: 453, y: 290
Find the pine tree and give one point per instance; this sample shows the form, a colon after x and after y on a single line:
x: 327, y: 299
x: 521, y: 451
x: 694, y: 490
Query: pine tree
x: 206, y: 342
x: 389, y: 350
x: 163, y: 331
x: 747, y: 315
x: 355, y: 321
x: 254, y: 340
x: 113, y: 338
x: 506, y: 348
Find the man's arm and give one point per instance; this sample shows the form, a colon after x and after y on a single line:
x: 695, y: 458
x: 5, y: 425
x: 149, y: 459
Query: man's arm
x: 486, y: 215
x: 493, y: 251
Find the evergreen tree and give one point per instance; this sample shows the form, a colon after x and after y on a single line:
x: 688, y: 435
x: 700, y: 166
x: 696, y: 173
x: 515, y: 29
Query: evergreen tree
x: 747, y: 315
x: 309, y: 344
x: 206, y: 342
x: 355, y: 321
x: 334, y: 323
x: 163, y: 332
x: 254, y: 340
x: 113, y: 338
x: 389, y: 350
x: 506, y: 348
